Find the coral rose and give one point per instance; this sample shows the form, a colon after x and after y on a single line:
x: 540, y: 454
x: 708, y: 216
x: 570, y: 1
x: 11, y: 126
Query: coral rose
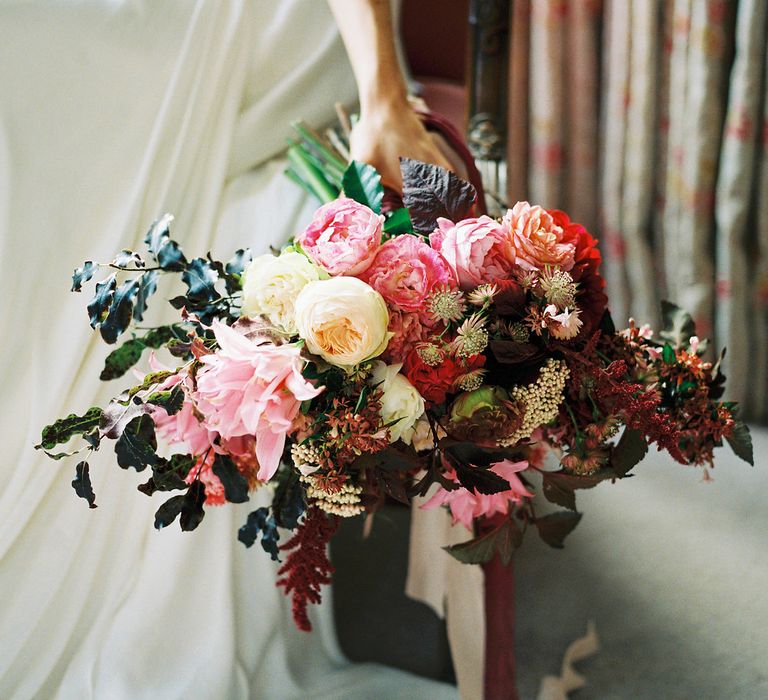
x: 538, y: 240
x: 343, y: 320
x: 343, y: 237
x: 406, y: 270
x: 252, y: 387
x: 479, y: 250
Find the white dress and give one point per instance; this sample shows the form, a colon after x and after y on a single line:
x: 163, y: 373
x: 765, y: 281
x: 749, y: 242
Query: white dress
x: 112, y: 112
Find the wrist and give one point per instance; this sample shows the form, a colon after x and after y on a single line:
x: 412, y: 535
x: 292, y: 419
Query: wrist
x: 385, y: 103
x: 384, y: 88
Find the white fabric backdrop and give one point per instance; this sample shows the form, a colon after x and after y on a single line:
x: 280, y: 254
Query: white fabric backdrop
x: 112, y: 112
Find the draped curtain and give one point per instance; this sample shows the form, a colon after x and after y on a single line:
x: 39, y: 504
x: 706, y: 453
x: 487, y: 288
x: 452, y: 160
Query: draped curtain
x: 647, y: 120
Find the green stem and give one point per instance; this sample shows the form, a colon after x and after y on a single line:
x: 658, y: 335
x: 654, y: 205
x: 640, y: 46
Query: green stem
x: 310, y: 175
x: 312, y: 137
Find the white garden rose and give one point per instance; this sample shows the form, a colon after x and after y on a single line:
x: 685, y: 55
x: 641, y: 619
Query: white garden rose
x: 271, y: 285
x: 400, y: 401
x: 343, y: 320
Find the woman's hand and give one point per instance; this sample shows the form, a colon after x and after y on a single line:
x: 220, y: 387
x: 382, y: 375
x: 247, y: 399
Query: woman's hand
x: 388, y: 127
x: 391, y: 130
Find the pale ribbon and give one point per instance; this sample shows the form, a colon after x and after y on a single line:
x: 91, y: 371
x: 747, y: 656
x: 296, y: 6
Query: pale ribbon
x: 455, y: 591
x: 558, y: 687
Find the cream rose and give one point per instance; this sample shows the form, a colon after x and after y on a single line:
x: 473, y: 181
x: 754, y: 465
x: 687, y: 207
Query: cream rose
x: 400, y: 401
x: 271, y: 285
x: 343, y: 320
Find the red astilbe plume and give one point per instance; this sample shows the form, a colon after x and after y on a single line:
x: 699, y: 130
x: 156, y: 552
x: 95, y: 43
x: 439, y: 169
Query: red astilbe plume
x: 638, y: 406
x: 307, y: 566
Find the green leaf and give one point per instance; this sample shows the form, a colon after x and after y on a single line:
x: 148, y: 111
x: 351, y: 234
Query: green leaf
x: 192, y: 512
x: 555, y: 527
x: 83, y: 274
x: 234, y: 269
x: 200, y: 278
x: 628, y: 452
x: 171, y: 400
x: 168, y: 511
x: 398, y: 222
x: 668, y: 354
x: 741, y: 442
x: 120, y: 312
x: 126, y: 258
x: 82, y: 484
x: 362, y: 183
x: 678, y: 326
x: 116, y: 416
x: 260, y: 522
x: 504, y: 539
x: 147, y: 287
x: 168, y: 474
x: 235, y: 484
x: 149, y: 381
x: 137, y: 445
x: 63, y: 429
x: 120, y: 360
x: 98, y: 307
x: 159, y: 244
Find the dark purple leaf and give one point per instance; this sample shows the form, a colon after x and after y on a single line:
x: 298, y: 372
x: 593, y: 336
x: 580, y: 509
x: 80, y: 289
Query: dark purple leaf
x: 509, y: 352
x: 504, y: 540
x: 555, y: 527
x: 430, y: 192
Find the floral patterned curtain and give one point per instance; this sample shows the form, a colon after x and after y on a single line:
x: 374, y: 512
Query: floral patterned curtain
x: 648, y: 121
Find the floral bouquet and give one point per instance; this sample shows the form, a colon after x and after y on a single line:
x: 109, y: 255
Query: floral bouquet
x: 420, y: 350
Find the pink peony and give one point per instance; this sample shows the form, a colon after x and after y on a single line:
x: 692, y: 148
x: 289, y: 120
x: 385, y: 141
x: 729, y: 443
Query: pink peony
x: 252, y: 387
x: 539, y: 241
x: 479, y: 250
x: 406, y: 270
x: 343, y: 237
x: 467, y: 505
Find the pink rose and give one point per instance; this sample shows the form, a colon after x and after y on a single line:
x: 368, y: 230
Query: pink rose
x: 252, y: 387
x: 343, y: 237
x: 406, y: 270
x: 467, y: 505
x: 479, y: 250
x: 538, y: 239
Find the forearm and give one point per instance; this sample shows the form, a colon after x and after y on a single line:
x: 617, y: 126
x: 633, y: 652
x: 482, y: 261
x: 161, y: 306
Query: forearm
x: 368, y: 34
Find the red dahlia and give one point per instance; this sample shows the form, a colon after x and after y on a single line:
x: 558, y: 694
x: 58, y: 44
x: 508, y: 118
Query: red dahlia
x: 591, y: 298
